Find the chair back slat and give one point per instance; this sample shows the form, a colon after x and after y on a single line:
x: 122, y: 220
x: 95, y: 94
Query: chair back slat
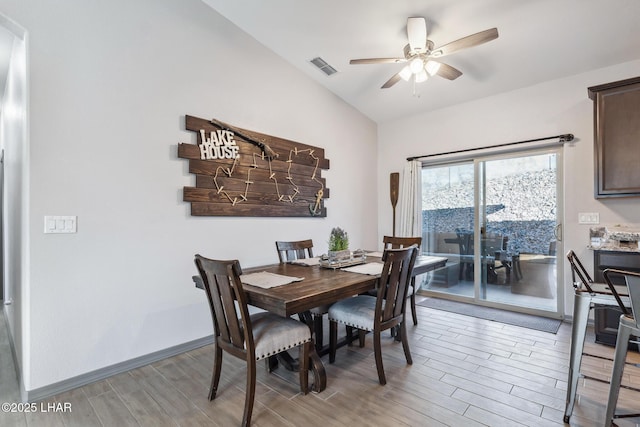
x: 229, y: 298
x: 226, y: 298
x: 632, y: 281
x: 392, y: 242
x: 577, y: 269
x: 291, y: 251
x: 218, y: 306
x: 494, y: 243
x: 607, y: 273
x: 633, y: 286
x: 396, y: 274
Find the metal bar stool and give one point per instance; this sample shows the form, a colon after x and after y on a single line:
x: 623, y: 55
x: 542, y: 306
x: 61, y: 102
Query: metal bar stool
x: 587, y: 295
x: 628, y: 326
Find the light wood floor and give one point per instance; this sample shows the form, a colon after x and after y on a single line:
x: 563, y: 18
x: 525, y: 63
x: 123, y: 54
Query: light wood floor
x: 466, y: 372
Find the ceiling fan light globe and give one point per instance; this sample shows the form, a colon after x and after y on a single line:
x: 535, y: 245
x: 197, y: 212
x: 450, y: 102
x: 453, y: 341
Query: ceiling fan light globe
x: 405, y: 73
x: 416, y: 65
x: 421, y: 76
x: 432, y: 67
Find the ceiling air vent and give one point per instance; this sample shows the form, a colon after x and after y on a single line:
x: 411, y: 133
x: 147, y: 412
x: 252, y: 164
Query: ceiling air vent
x: 323, y: 66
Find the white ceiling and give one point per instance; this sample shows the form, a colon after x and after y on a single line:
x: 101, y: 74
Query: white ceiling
x: 539, y: 40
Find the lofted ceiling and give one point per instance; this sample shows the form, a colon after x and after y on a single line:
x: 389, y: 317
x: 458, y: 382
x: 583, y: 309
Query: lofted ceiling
x: 539, y: 40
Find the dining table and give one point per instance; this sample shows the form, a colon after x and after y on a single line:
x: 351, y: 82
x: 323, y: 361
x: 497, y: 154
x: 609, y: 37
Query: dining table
x: 318, y: 286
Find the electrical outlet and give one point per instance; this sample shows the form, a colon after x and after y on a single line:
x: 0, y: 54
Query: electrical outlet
x: 588, y: 218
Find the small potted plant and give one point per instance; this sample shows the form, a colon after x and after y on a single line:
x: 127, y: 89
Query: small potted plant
x: 339, y: 245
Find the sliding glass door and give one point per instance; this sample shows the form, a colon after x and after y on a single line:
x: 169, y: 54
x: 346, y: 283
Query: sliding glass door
x: 496, y: 220
x: 448, y: 222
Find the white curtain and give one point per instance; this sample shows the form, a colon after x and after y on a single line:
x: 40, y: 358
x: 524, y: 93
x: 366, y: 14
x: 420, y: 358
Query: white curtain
x: 410, y: 221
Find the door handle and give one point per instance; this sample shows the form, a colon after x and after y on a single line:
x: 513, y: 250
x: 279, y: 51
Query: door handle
x: 557, y: 232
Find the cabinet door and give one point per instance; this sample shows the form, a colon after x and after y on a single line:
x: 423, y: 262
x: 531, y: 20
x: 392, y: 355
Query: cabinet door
x: 617, y: 138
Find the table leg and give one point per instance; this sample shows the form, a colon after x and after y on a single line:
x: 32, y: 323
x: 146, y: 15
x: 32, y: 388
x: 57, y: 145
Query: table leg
x: 319, y: 373
x: 315, y: 365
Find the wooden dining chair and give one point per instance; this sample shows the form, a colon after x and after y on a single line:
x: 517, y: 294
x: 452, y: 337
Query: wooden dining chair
x: 629, y: 326
x: 248, y: 337
x: 588, y: 295
x: 404, y: 242
x: 377, y: 314
x: 291, y: 251
x: 301, y: 249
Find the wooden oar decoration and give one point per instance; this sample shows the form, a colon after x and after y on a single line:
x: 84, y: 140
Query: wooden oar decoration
x: 394, y: 188
x: 266, y: 150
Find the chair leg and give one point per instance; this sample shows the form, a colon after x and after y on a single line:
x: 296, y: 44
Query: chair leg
x: 349, y: 334
x: 250, y: 392
x: 507, y: 269
x: 304, y: 367
x: 517, y: 272
x: 361, y: 337
x: 405, y: 343
x: 215, y: 377
x: 619, y: 357
x: 413, y: 301
x: 271, y: 363
x: 333, y: 340
x: 318, y: 331
x: 581, y: 307
x: 377, y: 350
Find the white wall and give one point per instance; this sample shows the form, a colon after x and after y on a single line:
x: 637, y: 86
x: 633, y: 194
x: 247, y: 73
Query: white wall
x: 110, y: 85
x: 552, y: 108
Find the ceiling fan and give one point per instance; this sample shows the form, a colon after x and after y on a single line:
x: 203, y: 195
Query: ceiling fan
x: 420, y: 54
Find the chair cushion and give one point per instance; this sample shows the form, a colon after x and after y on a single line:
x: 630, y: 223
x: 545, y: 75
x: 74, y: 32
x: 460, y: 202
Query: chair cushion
x: 273, y: 334
x: 358, y: 312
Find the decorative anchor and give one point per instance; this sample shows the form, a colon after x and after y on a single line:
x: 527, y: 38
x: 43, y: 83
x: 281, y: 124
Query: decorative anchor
x: 316, y: 209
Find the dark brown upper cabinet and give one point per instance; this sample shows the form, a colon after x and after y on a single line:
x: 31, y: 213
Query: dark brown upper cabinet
x: 617, y: 138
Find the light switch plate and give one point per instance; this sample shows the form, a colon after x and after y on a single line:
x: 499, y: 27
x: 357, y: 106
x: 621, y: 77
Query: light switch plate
x: 60, y: 224
x: 588, y: 218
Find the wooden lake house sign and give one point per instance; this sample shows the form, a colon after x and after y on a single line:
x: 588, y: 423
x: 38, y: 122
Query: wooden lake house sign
x: 245, y: 173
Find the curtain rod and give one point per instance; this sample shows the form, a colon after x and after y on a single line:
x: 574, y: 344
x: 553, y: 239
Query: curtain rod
x: 562, y: 138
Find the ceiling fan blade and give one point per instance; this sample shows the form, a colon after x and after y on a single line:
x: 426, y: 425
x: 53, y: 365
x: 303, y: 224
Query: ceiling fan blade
x: 417, y: 34
x: 465, y: 42
x: 447, y: 71
x: 393, y: 80
x: 377, y: 61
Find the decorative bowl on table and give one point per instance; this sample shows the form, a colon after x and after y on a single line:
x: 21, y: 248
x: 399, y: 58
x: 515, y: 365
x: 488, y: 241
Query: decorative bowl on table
x: 342, y: 255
